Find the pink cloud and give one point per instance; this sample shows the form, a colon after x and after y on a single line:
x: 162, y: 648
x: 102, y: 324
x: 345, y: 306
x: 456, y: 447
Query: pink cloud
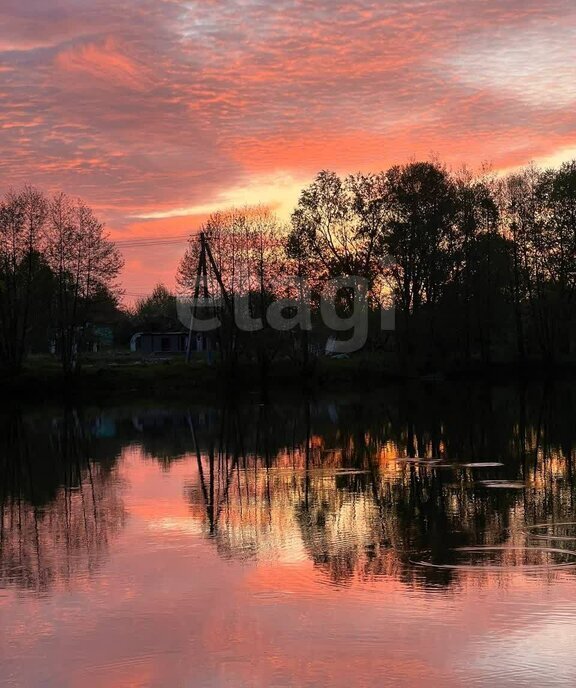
x: 104, y: 62
x: 150, y: 106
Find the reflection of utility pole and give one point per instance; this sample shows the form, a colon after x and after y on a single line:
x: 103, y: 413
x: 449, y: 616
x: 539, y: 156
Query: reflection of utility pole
x: 218, y: 475
x: 200, y: 470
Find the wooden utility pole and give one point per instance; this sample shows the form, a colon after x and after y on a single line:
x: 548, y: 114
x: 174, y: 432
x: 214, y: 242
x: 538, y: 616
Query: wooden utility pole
x: 204, y: 258
x: 199, y: 272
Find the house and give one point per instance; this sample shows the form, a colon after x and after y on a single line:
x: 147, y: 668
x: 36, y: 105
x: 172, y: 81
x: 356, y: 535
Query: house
x: 152, y: 343
x: 169, y: 343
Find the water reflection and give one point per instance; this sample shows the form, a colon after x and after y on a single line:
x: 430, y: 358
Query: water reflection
x: 59, y: 508
x: 356, y: 487
x: 179, y: 532
x: 362, y: 496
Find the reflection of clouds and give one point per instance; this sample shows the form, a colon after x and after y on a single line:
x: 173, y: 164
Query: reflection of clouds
x: 545, y: 638
x: 347, y: 505
x: 302, y: 579
x: 173, y: 524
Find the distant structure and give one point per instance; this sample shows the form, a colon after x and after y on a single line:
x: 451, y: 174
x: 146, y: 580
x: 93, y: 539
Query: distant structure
x: 92, y: 338
x: 167, y: 343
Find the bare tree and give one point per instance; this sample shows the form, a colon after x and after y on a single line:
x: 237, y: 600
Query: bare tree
x: 247, y: 247
x: 83, y: 259
x: 246, y: 244
x: 23, y: 217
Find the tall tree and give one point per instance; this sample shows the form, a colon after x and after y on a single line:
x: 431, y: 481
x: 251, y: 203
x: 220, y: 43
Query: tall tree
x: 83, y: 259
x: 559, y: 240
x: 420, y: 238
x: 336, y: 225
x: 23, y: 217
x: 479, y: 287
x: 523, y: 222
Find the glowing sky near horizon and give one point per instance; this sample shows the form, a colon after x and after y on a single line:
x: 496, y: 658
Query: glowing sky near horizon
x: 158, y: 111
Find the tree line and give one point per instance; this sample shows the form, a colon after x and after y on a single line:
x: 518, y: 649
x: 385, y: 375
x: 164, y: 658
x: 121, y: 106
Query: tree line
x: 478, y: 267
x: 57, y: 266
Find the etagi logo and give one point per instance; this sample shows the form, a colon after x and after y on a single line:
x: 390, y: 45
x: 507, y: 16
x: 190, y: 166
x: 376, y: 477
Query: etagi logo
x: 283, y: 314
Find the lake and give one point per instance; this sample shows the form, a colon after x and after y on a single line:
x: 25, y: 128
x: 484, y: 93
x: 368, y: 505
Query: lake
x: 421, y: 536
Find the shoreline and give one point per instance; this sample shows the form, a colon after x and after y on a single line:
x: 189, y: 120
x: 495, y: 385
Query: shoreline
x: 175, y: 380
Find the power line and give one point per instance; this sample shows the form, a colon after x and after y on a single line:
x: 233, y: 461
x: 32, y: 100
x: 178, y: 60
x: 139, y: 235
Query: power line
x: 154, y: 240
x: 156, y: 237
x: 150, y: 241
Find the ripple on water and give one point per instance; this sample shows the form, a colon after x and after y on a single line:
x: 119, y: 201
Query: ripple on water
x: 502, y: 484
x: 501, y: 558
x: 565, y: 531
x: 482, y: 464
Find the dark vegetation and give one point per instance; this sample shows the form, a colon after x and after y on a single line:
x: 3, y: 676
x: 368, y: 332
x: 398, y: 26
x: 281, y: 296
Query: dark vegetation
x: 480, y: 269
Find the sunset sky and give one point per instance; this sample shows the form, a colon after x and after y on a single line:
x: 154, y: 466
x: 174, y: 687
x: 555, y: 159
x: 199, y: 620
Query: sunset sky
x: 158, y: 111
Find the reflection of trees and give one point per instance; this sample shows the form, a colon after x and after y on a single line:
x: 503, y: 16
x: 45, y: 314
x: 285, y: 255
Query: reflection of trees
x: 297, y: 480
x: 59, y: 506
x: 337, y: 496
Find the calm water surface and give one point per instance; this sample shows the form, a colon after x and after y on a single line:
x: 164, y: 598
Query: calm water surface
x: 416, y: 538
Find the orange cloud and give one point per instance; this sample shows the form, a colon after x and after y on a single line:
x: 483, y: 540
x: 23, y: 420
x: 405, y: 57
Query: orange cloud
x: 148, y: 108
x: 106, y: 63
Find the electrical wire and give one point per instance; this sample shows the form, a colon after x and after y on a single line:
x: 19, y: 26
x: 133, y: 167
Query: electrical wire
x: 154, y: 240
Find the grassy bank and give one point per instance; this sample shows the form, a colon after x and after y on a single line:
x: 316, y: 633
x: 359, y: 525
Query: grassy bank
x: 110, y: 379
x: 174, y: 379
